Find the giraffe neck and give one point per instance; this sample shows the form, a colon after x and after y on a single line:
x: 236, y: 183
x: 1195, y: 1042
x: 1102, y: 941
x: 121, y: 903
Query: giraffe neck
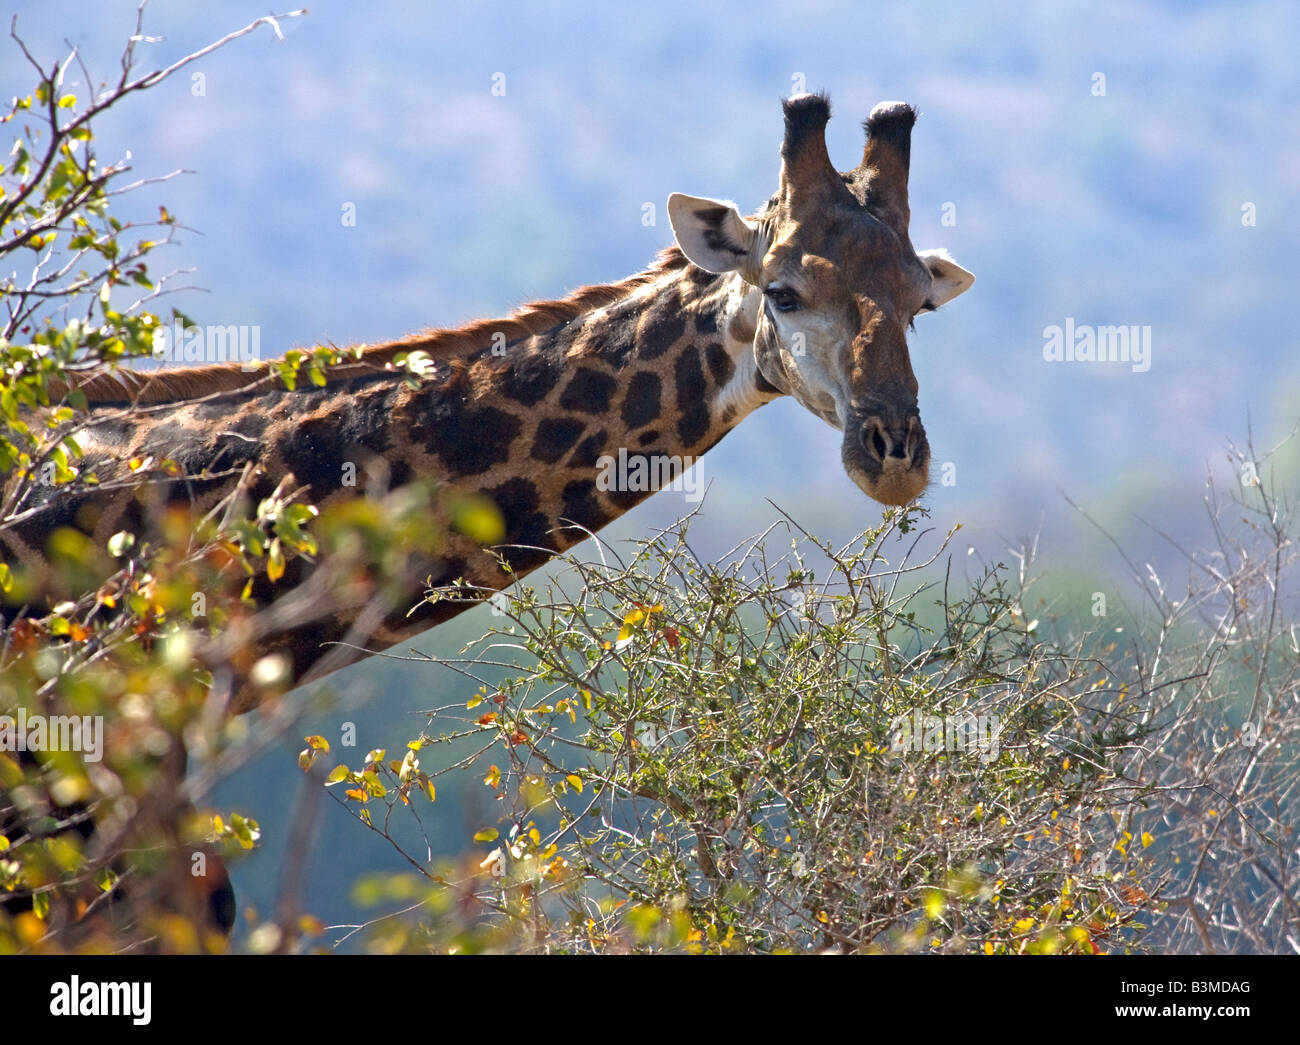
x: 564, y: 430
x: 557, y: 427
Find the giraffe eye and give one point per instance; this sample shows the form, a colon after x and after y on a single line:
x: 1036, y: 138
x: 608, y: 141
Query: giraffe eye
x: 783, y: 299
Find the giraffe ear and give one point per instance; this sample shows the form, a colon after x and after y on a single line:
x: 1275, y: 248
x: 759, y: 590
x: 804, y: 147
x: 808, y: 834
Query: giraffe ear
x: 948, y: 278
x: 711, y: 233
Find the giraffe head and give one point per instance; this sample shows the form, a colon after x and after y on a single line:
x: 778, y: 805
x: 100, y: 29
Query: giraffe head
x: 831, y: 284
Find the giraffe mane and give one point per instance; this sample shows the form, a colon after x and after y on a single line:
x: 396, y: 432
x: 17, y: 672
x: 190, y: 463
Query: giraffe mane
x: 454, y: 343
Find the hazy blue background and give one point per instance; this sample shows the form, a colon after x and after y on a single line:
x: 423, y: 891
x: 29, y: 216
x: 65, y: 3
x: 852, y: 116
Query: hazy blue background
x: 1122, y: 209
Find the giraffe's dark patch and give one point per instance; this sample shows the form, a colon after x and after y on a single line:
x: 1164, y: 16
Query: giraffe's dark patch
x: 614, y: 337
x: 311, y: 399
x: 692, y: 425
x: 518, y: 501
x: 312, y: 641
x: 399, y: 473
x: 555, y: 435
x: 170, y: 437
x: 588, y: 450
x: 688, y: 376
x: 728, y: 415
x: 588, y: 391
x: 249, y: 424
x: 532, y: 377
x: 564, y: 336
x: 115, y: 432
x: 316, y: 448
x: 700, y: 278
x: 720, y: 365
x: 468, y: 440
x: 648, y: 438
x: 663, y: 326
x: 315, y: 454
x: 216, y: 409
x: 582, y: 505
x: 232, y: 450
x: 706, y: 323
x: 516, y: 498
x: 641, y: 402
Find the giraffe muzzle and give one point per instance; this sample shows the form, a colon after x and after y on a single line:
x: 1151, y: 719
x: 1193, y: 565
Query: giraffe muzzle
x: 887, y: 454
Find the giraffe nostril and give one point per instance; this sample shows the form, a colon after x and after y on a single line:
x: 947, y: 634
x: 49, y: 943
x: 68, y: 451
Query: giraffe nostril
x: 898, y: 447
x: 875, y: 441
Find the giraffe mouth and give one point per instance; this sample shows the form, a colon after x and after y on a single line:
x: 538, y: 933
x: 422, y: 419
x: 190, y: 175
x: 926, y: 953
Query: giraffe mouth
x: 887, y: 455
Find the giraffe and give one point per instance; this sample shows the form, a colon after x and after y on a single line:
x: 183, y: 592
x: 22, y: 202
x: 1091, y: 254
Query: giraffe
x: 812, y: 297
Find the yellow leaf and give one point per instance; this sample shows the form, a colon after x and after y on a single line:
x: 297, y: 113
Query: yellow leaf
x: 575, y: 781
x: 474, y: 701
x: 488, y: 834
x: 934, y: 903
x: 479, y: 519
x: 275, y: 561
x: 1147, y: 839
